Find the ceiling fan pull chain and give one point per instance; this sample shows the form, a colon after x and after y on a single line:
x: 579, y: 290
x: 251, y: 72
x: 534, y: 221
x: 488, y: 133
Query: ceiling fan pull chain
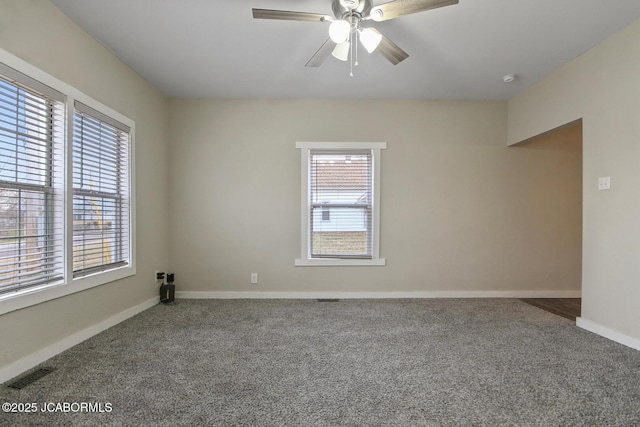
x: 355, y: 35
x: 351, y: 56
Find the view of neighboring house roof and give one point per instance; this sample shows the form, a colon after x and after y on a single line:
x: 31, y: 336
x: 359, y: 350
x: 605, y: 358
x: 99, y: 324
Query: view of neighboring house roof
x: 340, y: 174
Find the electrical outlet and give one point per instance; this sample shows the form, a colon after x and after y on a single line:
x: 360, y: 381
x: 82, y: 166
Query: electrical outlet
x: 159, y: 276
x: 604, y: 183
x: 254, y: 278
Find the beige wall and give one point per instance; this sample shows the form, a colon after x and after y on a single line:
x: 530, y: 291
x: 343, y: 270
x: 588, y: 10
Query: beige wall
x: 602, y: 87
x: 460, y: 210
x: 38, y: 33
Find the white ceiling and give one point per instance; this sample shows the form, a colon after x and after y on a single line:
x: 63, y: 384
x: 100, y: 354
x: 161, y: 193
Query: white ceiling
x: 215, y: 49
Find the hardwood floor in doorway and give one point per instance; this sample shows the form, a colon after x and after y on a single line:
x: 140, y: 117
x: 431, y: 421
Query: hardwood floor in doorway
x: 565, y: 307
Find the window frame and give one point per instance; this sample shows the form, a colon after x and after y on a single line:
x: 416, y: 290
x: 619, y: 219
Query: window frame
x: 86, y: 117
x: 45, y: 163
x: 305, y: 259
x: 27, y: 297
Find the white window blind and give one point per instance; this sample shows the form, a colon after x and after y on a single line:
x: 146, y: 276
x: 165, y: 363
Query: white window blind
x: 31, y: 175
x: 340, y: 205
x: 101, y: 229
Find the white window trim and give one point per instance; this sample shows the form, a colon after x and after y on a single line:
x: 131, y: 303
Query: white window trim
x: 305, y: 259
x: 31, y: 296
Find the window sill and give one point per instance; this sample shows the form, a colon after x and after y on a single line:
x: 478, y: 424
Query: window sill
x: 338, y: 262
x: 37, y: 295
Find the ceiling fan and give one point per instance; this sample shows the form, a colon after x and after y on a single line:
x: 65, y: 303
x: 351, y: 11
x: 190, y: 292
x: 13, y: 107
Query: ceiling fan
x: 345, y: 28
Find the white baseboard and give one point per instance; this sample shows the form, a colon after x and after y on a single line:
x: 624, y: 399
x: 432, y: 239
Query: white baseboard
x: 16, y: 368
x: 375, y: 295
x: 611, y: 334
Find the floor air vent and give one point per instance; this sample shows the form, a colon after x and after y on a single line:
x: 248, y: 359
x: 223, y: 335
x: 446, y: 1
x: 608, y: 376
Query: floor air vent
x: 328, y: 300
x: 30, y: 378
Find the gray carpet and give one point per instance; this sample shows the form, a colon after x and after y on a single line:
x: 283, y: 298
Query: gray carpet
x: 441, y: 362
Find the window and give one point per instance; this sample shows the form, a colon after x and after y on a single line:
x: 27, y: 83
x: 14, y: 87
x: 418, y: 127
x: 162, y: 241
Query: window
x: 100, y: 201
x: 31, y: 207
x: 340, y: 203
x: 66, y: 208
x: 326, y: 213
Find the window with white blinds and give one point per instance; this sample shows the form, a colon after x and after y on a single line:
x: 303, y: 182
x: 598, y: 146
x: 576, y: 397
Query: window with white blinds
x: 31, y: 178
x: 100, y: 192
x: 340, y: 209
x: 340, y: 205
x: 66, y: 189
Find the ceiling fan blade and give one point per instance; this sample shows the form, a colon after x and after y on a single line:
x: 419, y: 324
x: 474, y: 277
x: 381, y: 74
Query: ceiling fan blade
x: 396, y: 8
x: 390, y: 50
x: 289, y: 15
x: 318, y: 58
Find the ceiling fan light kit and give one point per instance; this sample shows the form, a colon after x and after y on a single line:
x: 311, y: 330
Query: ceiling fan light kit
x: 339, y: 31
x: 345, y: 28
x: 341, y: 51
x: 370, y: 39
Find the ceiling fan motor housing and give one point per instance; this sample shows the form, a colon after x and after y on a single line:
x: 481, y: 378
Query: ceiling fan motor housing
x: 344, y: 8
